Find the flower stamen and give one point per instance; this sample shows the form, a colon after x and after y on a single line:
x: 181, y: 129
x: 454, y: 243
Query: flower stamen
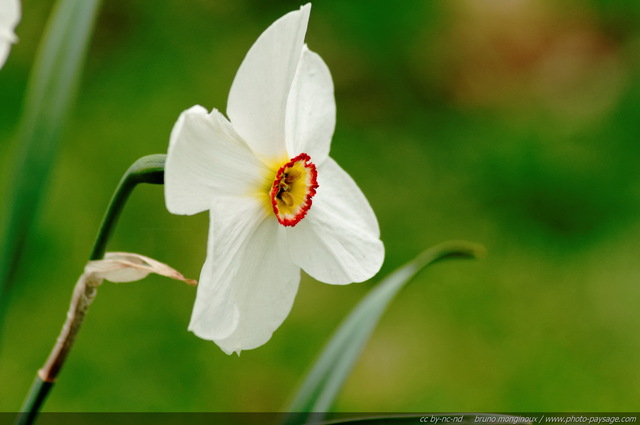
x: 293, y: 187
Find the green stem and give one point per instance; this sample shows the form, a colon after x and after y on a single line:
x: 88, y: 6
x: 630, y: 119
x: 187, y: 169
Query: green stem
x: 148, y: 169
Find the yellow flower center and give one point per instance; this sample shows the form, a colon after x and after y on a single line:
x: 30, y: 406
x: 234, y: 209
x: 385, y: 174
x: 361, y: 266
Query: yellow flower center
x: 293, y: 187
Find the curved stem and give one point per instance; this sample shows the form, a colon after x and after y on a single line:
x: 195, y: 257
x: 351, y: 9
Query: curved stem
x: 148, y: 169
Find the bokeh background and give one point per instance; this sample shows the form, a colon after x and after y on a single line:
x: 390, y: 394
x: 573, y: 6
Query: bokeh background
x: 513, y: 123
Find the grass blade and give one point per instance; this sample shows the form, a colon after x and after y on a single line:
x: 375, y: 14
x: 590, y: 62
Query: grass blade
x: 325, y: 379
x: 50, y: 95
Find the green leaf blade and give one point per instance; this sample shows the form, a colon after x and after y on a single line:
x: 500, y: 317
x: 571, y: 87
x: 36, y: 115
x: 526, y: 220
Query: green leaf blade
x: 331, y: 369
x: 50, y: 95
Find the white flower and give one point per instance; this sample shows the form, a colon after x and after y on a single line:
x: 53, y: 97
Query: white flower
x: 9, y: 18
x: 277, y: 201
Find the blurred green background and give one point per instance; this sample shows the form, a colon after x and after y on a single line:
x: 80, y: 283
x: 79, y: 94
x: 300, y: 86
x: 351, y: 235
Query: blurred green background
x: 513, y: 123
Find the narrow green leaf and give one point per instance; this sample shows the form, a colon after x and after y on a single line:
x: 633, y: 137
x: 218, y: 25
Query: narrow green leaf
x: 325, y: 379
x: 50, y: 94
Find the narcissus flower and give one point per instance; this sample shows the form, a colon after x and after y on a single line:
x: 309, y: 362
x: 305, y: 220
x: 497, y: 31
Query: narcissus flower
x: 9, y: 18
x: 278, y: 203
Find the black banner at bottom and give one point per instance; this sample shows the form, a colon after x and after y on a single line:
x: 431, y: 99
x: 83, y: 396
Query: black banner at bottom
x: 227, y: 418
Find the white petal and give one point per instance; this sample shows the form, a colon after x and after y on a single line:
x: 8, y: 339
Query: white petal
x: 264, y: 291
x: 206, y: 158
x: 338, y: 241
x: 5, y: 47
x: 258, y: 97
x: 311, y: 109
x: 9, y: 18
x: 215, y: 314
x: 248, y: 284
x: 9, y: 14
